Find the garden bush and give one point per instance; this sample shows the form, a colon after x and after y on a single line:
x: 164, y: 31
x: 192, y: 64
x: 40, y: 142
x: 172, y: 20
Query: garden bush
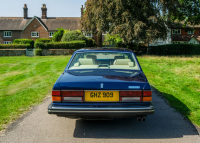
x: 24, y: 41
x: 78, y: 35
x: 57, y: 36
x: 43, y: 40
x: 175, y: 49
x: 38, y: 52
x: 61, y: 45
x: 15, y: 46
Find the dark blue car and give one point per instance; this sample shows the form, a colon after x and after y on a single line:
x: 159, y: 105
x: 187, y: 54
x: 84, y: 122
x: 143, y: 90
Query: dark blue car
x: 102, y: 83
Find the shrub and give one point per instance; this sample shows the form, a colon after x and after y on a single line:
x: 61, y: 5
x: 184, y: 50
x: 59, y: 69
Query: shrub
x: 61, y: 45
x: 73, y: 35
x: 43, y: 40
x: 90, y: 42
x: 175, y: 49
x: 24, y: 41
x: 38, y: 52
x: 57, y: 36
x: 78, y: 35
x: 15, y: 46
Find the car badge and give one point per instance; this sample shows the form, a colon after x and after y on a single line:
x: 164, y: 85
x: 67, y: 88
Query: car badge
x: 101, y: 85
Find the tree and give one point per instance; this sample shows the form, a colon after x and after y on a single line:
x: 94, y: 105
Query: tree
x: 138, y: 20
x: 57, y: 36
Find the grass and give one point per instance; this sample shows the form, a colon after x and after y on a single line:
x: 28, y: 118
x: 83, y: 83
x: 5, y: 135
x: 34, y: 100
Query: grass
x: 178, y: 79
x: 24, y: 82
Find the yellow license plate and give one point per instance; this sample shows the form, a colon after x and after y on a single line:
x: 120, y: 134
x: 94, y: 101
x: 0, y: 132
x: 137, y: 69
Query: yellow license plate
x: 102, y: 96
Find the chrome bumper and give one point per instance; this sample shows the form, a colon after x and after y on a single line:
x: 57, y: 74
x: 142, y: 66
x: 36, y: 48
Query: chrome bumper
x: 84, y: 111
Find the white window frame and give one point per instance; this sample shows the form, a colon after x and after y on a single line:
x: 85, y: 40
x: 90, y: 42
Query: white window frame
x: 36, y: 34
x: 7, y: 42
x: 6, y: 34
x: 191, y: 32
x: 88, y: 34
x: 51, y: 34
x: 175, y: 31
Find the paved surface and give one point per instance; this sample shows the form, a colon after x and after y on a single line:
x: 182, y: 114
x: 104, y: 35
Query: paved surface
x: 165, y: 126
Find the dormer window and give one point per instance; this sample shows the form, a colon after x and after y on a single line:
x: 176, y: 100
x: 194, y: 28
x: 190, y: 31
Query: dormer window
x: 176, y: 31
x: 7, y: 34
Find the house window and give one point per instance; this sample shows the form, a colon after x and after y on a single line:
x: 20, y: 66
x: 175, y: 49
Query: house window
x: 88, y: 35
x: 176, y: 31
x: 7, y: 34
x: 191, y: 32
x: 7, y: 42
x: 51, y: 34
x: 34, y: 34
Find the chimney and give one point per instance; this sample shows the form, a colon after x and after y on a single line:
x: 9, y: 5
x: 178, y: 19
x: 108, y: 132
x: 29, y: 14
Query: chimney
x: 25, y: 11
x: 82, y: 9
x: 44, y: 11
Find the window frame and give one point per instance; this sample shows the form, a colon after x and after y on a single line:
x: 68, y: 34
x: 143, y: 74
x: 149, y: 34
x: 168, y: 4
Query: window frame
x: 88, y: 34
x: 50, y: 34
x: 7, y: 42
x: 176, y: 30
x: 191, y: 32
x: 6, y: 33
x: 37, y: 35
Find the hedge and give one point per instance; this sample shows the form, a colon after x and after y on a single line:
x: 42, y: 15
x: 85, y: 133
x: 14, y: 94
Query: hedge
x: 175, y: 49
x: 61, y: 45
x: 15, y: 46
x: 24, y: 41
x: 44, y: 40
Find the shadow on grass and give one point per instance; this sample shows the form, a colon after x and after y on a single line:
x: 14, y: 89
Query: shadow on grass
x: 164, y: 123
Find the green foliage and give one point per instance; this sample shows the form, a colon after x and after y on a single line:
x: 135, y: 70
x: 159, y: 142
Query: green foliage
x: 90, y: 42
x: 57, y: 36
x: 137, y: 20
x: 15, y: 46
x: 61, y: 45
x: 43, y: 40
x: 25, y: 82
x: 73, y: 35
x: 114, y: 40
x: 77, y: 35
x: 177, y: 78
x: 38, y: 52
x: 24, y: 41
x: 175, y: 49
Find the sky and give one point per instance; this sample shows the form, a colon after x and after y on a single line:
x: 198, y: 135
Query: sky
x: 55, y: 8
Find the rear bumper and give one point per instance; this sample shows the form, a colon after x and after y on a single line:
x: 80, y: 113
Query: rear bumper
x: 99, y: 111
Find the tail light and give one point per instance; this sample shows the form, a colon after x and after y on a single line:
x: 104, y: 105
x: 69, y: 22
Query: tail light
x: 130, y: 96
x: 72, y: 96
x: 56, y: 97
x: 147, y: 96
x: 136, y: 96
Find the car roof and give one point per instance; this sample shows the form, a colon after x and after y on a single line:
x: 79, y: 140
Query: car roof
x: 105, y: 49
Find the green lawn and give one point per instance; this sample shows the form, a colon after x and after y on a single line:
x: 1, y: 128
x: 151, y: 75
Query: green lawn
x: 178, y: 78
x: 25, y: 81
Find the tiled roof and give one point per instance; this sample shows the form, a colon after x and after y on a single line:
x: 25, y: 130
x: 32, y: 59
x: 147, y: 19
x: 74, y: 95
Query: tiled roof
x: 18, y: 23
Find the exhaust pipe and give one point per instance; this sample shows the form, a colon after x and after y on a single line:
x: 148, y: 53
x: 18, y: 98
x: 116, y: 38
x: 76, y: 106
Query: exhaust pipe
x: 144, y: 119
x: 141, y: 118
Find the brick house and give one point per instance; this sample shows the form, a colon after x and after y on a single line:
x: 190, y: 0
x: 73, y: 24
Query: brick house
x: 35, y: 27
x: 180, y: 34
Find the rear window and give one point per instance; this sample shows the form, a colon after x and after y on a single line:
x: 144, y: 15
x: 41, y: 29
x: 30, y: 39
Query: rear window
x: 104, y: 60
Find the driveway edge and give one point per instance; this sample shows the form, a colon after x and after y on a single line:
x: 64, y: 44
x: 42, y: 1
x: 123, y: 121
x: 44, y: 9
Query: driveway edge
x: 167, y: 102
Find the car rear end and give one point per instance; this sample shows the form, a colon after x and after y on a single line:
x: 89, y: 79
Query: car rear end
x: 102, y: 84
